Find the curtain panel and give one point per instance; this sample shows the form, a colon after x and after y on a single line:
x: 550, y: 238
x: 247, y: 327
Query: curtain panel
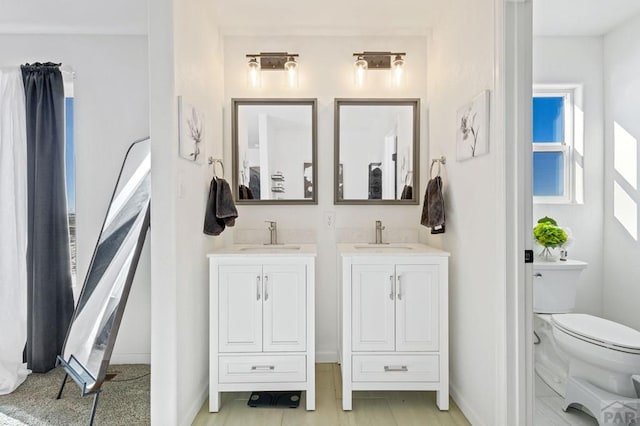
x: 49, y: 290
x: 13, y: 230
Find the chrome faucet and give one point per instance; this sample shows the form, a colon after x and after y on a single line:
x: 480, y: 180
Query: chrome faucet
x: 273, y: 232
x: 379, y: 229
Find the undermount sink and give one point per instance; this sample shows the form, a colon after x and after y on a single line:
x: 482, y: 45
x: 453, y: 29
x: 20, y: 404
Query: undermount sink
x: 271, y: 248
x: 374, y: 246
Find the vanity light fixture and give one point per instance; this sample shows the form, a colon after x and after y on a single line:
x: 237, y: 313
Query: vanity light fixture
x: 398, y: 70
x: 291, y: 66
x: 360, y: 71
x: 273, y: 61
x: 253, y: 78
x: 379, y: 61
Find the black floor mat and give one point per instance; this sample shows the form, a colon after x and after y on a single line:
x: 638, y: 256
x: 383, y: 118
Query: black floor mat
x: 275, y: 399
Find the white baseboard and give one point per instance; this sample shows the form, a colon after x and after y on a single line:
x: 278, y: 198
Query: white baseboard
x: 120, y: 358
x: 195, y: 407
x: 326, y: 357
x: 466, y: 409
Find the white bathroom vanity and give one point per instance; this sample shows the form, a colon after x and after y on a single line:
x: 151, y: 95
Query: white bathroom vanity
x: 394, y: 319
x: 262, y: 320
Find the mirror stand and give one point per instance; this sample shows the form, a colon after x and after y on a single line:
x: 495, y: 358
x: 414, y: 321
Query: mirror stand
x: 80, y: 380
x: 91, y: 336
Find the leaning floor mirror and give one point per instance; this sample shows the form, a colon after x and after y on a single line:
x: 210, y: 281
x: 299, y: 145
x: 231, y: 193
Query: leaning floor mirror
x: 92, y: 333
x: 274, y: 151
x: 377, y: 151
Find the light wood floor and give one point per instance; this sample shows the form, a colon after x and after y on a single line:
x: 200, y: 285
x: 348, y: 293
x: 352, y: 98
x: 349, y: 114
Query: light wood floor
x: 369, y: 408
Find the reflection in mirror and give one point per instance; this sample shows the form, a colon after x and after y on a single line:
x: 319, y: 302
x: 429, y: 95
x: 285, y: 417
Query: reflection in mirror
x: 274, y: 148
x: 377, y: 151
x: 92, y: 333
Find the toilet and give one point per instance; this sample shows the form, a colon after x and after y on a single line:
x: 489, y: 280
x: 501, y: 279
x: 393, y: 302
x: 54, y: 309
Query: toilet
x: 593, y: 363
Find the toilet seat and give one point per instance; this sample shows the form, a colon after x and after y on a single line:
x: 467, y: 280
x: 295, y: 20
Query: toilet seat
x: 599, y: 331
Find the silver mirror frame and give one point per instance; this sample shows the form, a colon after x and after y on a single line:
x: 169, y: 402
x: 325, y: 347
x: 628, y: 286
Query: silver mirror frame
x: 235, y: 103
x: 415, y: 103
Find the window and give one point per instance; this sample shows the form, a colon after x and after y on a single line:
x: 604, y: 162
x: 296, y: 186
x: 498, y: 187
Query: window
x: 70, y: 168
x: 553, y: 113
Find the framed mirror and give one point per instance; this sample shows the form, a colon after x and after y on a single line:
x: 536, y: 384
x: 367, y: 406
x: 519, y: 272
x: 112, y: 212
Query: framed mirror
x: 96, y: 319
x: 377, y: 151
x: 274, y: 143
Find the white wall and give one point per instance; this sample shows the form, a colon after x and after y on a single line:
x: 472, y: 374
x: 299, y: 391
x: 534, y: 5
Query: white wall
x: 325, y: 73
x: 461, y: 65
x: 199, y: 77
x: 577, y: 61
x: 185, y: 59
x: 112, y: 110
x: 286, y: 155
x: 163, y: 130
x: 622, y: 99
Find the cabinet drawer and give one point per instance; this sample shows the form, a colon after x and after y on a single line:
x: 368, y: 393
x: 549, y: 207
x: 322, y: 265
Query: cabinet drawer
x: 260, y: 369
x: 396, y: 368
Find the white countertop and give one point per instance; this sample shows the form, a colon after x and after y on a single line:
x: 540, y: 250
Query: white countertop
x: 265, y: 250
x: 559, y: 264
x: 393, y: 249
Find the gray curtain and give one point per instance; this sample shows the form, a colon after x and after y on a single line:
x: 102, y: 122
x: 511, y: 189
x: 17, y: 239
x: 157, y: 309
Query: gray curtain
x: 49, y: 295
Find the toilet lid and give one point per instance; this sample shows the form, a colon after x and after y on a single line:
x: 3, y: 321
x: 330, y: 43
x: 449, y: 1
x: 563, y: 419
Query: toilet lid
x: 599, y: 330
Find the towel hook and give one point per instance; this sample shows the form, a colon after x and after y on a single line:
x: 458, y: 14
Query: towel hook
x: 213, y: 161
x: 442, y: 160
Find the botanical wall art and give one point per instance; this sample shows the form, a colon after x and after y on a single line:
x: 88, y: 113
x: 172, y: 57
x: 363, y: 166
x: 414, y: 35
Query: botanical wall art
x: 191, y: 131
x: 472, y: 135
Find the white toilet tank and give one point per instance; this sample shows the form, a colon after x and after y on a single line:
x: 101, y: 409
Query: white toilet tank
x: 555, y: 285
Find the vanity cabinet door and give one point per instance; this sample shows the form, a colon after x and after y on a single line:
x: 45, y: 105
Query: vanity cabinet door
x: 417, y: 308
x: 373, y: 308
x: 285, y: 296
x: 240, y: 308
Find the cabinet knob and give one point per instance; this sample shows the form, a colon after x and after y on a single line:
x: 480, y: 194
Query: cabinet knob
x: 266, y: 288
x: 399, y: 288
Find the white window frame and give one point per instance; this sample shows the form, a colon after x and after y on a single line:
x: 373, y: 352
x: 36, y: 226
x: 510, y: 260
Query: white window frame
x: 565, y: 146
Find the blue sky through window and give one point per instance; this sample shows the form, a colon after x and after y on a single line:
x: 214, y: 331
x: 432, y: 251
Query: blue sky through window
x: 548, y: 127
x: 548, y: 119
x: 548, y: 173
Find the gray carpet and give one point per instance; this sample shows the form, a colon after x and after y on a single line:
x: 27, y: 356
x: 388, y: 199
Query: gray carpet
x: 124, y: 400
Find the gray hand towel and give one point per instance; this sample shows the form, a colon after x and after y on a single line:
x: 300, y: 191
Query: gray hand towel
x: 433, y: 206
x: 225, y: 207
x: 245, y: 193
x: 221, y: 211
x: 212, y: 225
x: 407, y: 193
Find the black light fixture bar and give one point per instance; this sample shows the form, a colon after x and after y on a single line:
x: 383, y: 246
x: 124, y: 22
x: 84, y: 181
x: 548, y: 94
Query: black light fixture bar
x: 272, y: 60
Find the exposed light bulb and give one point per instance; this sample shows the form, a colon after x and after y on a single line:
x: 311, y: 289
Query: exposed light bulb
x: 254, y: 73
x: 360, y: 71
x: 398, y: 71
x: 291, y: 67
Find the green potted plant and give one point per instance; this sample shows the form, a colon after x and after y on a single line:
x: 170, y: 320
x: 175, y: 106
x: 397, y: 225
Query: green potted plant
x: 549, y: 235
